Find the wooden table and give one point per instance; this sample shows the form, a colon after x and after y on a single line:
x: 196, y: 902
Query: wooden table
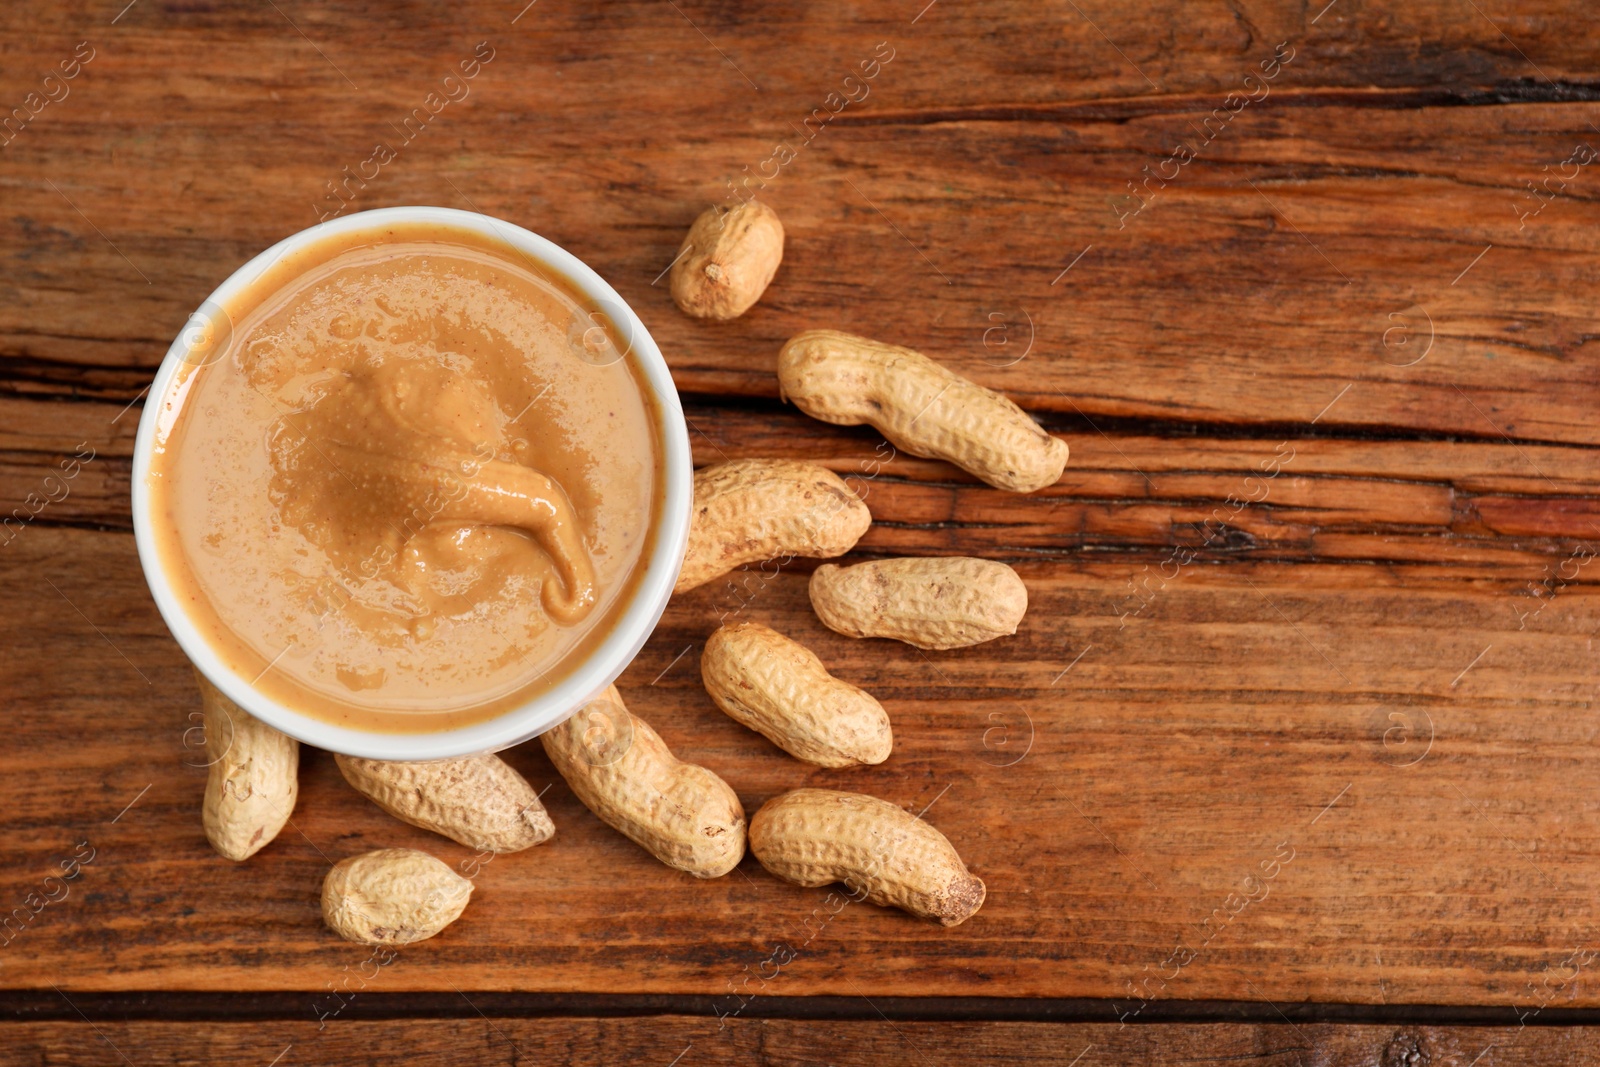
x: 1294, y: 759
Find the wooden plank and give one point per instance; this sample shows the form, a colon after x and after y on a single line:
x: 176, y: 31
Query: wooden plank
x: 1528, y: 508
x: 657, y: 1040
x: 1291, y: 258
x: 1120, y: 773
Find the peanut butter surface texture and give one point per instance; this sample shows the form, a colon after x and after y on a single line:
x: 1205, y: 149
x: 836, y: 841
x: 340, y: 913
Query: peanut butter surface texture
x: 410, y: 483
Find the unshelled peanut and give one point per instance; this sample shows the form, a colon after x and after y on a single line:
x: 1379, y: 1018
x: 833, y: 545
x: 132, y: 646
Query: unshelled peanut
x: 393, y: 896
x: 780, y: 689
x: 922, y: 407
x: 681, y: 813
x: 727, y: 260
x: 253, y: 778
x: 813, y: 837
x: 760, y: 509
x: 478, y: 801
x: 935, y: 602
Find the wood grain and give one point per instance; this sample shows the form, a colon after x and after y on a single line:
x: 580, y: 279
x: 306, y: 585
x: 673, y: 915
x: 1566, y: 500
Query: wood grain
x: 1134, y: 493
x: 1378, y: 660
x: 1385, y: 741
x: 1336, y: 213
x: 655, y: 1041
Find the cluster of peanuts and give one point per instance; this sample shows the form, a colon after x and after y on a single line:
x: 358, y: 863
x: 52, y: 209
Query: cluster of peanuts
x: 744, y: 512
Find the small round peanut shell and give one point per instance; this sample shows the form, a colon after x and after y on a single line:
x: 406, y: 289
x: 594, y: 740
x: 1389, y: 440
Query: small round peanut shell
x: 393, y: 896
x: 727, y: 260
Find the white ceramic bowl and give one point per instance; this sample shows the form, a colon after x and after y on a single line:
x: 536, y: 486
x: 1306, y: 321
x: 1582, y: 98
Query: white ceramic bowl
x: 585, y: 680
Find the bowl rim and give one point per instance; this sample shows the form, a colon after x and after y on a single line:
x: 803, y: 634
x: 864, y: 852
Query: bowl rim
x: 599, y: 668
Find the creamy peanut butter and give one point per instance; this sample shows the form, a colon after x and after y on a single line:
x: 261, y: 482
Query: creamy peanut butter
x: 410, y: 482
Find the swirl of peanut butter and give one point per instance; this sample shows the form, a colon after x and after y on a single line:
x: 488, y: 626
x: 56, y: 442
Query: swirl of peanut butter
x: 409, y: 443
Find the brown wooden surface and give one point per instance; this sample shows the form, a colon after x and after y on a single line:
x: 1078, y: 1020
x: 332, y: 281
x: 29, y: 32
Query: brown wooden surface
x: 655, y: 1041
x: 1384, y: 663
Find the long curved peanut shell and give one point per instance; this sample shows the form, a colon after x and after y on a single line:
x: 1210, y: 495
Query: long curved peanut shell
x: 922, y: 407
x: 813, y: 837
x: 933, y: 602
x: 756, y: 509
x: 253, y: 780
x: 780, y: 689
x: 478, y: 801
x: 393, y: 896
x: 681, y: 813
x: 727, y: 260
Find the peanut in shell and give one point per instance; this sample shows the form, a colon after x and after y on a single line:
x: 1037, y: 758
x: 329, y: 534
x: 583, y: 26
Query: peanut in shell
x: 252, y: 780
x: 681, y: 813
x: 727, y: 260
x: 477, y: 801
x: 813, y: 837
x: 780, y: 689
x: 393, y: 896
x: 921, y: 406
x: 936, y: 602
x: 750, y: 510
